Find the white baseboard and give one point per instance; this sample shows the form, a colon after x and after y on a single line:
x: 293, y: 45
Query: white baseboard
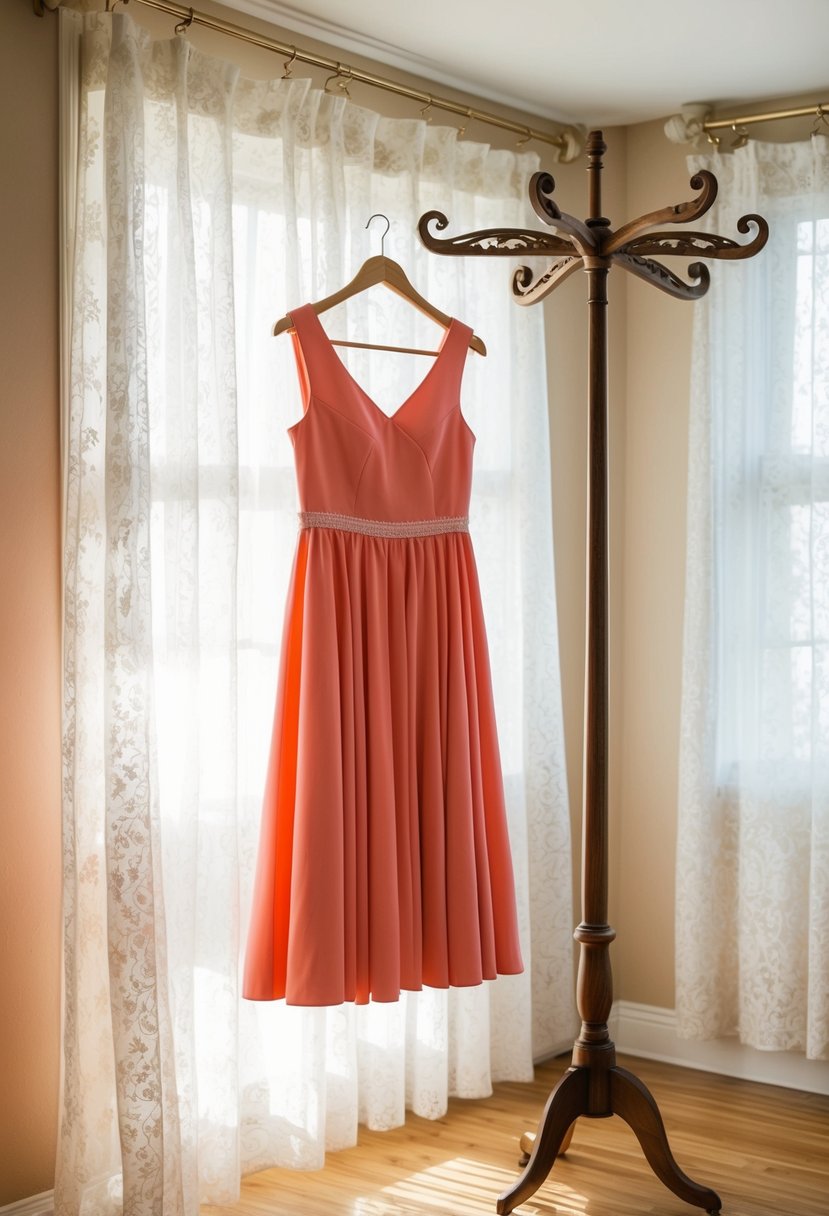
x: 650, y: 1032
x: 36, y: 1205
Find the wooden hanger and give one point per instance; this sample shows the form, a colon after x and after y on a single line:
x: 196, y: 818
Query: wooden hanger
x: 381, y: 269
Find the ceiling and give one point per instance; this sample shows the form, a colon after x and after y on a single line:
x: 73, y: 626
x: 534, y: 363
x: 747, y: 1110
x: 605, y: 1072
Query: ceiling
x: 603, y: 61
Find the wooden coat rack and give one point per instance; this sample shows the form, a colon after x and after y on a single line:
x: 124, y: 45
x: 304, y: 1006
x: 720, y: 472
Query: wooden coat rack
x: 594, y: 1086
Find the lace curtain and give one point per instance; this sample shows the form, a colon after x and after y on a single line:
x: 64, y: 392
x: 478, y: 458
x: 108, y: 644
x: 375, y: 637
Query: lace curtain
x: 753, y: 849
x: 201, y: 206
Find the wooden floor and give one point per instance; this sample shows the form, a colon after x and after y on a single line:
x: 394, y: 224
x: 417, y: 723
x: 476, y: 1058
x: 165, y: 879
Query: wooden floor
x: 765, y: 1151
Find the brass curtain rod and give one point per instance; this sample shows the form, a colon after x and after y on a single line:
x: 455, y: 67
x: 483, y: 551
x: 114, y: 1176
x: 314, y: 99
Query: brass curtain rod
x: 569, y: 141
x: 818, y: 110
x: 696, y: 120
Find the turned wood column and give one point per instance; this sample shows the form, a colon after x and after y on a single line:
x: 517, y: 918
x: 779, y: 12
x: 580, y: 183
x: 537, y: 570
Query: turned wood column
x: 594, y: 989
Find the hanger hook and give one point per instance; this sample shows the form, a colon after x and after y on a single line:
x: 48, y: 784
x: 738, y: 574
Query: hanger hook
x: 378, y: 215
x: 288, y: 63
x: 821, y: 119
x: 522, y: 143
x: 424, y: 112
x: 183, y: 26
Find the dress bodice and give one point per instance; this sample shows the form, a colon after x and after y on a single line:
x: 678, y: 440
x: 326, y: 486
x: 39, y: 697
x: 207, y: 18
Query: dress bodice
x: 353, y: 459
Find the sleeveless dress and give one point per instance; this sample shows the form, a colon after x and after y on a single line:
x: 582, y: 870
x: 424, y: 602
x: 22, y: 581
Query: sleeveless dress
x: 384, y: 859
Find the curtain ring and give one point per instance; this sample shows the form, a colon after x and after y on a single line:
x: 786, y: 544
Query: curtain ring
x: 183, y: 26
x: 522, y: 143
x: 342, y: 77
x: 286, y: 74
x: 741, y: 136
x: 424, y: 113
x: 821, y: 119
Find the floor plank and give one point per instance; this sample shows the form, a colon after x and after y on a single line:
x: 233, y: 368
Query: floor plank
x: 764, y: 1149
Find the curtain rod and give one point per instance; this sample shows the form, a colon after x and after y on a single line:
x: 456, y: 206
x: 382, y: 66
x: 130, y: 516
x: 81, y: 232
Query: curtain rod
x: 694, y: 122
x: 569, y: 140
x: 819, y: 110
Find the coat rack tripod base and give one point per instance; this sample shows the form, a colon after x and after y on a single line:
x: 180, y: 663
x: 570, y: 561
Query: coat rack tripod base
x: 593, y: 1092
x: 594, y: 1086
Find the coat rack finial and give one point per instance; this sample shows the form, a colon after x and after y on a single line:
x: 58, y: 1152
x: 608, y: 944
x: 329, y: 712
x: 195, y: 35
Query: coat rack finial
x: 596, y: 148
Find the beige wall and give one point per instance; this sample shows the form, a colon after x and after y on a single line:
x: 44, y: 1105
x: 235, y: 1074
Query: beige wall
x: 649, y: 360
x: 651, y: 566
x: 29, y: 606
x: 650, y: 342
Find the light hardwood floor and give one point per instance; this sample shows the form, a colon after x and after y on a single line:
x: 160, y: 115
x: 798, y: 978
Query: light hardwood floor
x: 765, y: 1150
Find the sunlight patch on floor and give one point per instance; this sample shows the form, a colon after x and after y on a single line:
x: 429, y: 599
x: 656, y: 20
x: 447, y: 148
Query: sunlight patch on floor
x: 470, y: 1187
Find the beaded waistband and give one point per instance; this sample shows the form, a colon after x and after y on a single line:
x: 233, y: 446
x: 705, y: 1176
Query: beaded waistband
x: 384, y: 527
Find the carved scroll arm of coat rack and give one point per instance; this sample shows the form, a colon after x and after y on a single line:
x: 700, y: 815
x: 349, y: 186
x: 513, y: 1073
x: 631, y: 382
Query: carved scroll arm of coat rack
x: 630, y: 247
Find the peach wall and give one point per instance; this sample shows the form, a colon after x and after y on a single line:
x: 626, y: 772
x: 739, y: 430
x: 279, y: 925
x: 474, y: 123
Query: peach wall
x: 29, y: 606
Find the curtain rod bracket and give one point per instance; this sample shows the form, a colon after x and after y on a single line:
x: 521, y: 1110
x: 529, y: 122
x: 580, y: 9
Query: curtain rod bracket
x: 696, y: 122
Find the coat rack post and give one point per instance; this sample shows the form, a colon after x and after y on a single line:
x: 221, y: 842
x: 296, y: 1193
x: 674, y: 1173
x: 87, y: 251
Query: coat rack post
x: 594, y: 989
x: 594, y: 1086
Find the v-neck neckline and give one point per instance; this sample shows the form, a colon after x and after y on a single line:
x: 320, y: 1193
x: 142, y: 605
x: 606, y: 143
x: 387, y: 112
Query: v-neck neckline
x: 414, y: 393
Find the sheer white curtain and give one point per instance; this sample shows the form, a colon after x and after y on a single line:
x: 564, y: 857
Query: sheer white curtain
x: 203, y: 206
x: 753, y: 851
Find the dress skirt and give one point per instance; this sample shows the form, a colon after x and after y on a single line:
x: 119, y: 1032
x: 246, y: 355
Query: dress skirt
x: 384, y: 859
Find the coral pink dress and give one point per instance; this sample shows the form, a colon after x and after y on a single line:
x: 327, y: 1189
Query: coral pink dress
x: 384, y: 860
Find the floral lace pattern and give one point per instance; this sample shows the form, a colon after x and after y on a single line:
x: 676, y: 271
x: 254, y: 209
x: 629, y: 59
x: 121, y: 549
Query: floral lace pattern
x: 205, y: 206
x: 753, y: 847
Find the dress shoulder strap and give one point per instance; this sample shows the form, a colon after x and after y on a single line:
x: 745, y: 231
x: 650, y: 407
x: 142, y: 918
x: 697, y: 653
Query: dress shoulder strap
x: 321, y: 371
x: 453, y: 358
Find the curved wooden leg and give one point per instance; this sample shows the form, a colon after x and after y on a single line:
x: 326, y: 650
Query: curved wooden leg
x: 528, y: 1140
x: 568, y: 1136
x: 633, y: 1102
x: 564, y: 1105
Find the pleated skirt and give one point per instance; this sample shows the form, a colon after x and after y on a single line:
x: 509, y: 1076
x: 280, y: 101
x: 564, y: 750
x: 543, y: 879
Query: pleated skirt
x: 384, y: 860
